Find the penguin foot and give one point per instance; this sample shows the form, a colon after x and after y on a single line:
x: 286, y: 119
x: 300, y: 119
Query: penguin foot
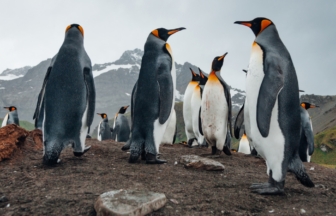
x: 127, y: 145
x: 269, y: 190
x: 214, y: 150
x: 226, y: 150
x: 152, y: 159
x: 259, y: 185
x: 78, y: 154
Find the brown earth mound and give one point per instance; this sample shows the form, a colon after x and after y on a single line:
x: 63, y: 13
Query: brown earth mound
x: 73, y: 186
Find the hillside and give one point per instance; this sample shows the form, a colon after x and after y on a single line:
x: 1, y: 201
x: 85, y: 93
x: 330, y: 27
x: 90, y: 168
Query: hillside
x: 325, y: 146
x: 26, y: 125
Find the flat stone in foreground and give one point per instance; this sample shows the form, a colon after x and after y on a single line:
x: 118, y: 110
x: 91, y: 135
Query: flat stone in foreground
x: 129, y: 202
x: 197, y: 162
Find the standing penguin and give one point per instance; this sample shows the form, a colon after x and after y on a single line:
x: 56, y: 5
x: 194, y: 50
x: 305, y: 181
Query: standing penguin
x: 104, y: 131
x: 67, y: 98
x: 244, y: 146
x: 154, y: 96
x: 306, y: 148
x: 216, y: 109
x: 11, y: 117
x: 170, y: 133
x: 187, y: 112
x: 195, y: 105
x: 121, y: 129
x: 271, y: 109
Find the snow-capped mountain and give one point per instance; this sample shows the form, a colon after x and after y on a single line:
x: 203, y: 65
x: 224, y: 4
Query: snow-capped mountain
x: 114, y: 82
x: 10, y: 74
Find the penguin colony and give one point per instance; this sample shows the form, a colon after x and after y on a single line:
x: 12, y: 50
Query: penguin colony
x: 275, y: 125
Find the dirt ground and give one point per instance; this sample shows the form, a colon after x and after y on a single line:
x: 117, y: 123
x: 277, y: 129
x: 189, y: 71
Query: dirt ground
x: 73, y: 186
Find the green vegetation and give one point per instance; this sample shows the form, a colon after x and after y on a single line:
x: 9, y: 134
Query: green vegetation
x: 327, y: 138
x: 25, y: 124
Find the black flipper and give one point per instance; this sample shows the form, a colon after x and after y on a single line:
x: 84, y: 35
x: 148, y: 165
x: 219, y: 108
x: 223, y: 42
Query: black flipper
x: 228, y: 140
x: 239, y: 122
x: 296, y: 166
x: 200, y: 122
x: 40, y: 99
x: 91, y: 94
x: 166, y: 92
x: 228, y: 100
x: 270, y: 87
x: 115, y: 131
x: 132, y: 102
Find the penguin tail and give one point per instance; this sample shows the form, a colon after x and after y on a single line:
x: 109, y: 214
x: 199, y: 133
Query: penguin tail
x: 296, y: 166
x: 136, y: 150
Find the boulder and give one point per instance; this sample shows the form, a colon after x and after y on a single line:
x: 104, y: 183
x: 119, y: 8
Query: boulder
x: 325, y: 148
x: 129, y: 202
x: 197, y: 162
x: 11, y: 138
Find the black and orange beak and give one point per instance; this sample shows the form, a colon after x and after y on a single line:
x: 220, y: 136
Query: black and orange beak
x: 245, y: 71
x: 193, y: 73
x: 245, y: 23
x: 7, y: 108
x: 312, y: 106
x: 125, y: 108
x: 99, y: 114
x: 220, y: 58
x: 173, y: 31
x: 301, y: 91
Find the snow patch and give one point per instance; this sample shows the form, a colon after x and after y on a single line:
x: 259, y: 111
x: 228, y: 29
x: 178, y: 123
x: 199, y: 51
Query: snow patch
x: 179, y: 96
x: 10, y: 77
x: 127, y: 94
x: 110, y: 67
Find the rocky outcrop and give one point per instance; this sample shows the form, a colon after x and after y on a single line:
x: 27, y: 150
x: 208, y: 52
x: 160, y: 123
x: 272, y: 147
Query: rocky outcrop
x: 325, y: 148
x: 197, y: 162
x: 129, y: 202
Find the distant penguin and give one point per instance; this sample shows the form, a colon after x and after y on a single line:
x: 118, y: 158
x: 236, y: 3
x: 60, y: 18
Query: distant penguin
x: 121, y: 129
x: 244, y: 146
x: 195, y: 105
x: 170, y: 133
x: 104, y: 131
x: 271, y: 109
x: 67, y: 98
x: 154, y: 97
x: 11, y: 117
x: 187, y: 113
x: 216, y: 109
x: 306, y: 148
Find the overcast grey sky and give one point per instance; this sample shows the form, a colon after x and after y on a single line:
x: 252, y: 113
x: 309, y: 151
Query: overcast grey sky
x: 32, y: 31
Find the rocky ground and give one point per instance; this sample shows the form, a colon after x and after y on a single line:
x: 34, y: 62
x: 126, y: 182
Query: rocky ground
x: 73, y: 186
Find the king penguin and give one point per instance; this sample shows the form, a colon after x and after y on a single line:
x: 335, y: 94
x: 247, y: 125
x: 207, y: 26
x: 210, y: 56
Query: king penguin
x: 154, y: 96
x: 271, y: 109
x: 244, y: 145
x: 187, y: 112
x: 67, y: 98
x: 216, y: 109
x: 11, y: 117
x: 306, y: 148
x: 121, y: 129
x: 170, y: 133
x: 196, y: 101
x: 104, y: 131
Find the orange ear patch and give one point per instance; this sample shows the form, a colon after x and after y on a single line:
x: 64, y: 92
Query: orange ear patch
x: 67, y: 28
x: 156, y: 33
x: 264, y: 24
x: 303, y: 105
x: 81, y: 29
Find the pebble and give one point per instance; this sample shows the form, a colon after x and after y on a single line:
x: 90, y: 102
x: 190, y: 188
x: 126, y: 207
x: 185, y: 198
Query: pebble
x: 8, y: 205
x: 312, y: 168
x: 303, y: 211
x: 271, y: 211
x: 174, y: 201
x: 3, y: 199
x: 58, y: 160
x: 175, y: 163
x: 15, y: 171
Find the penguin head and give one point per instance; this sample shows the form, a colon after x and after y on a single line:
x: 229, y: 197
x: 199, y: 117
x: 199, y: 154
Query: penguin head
x: 257, y: 25
x: 164, y: 34
x: 73, y: 29
x: 103, y: 115
x: 217, y: 63
x: 203, y: 78
x: 122, y: 110
x: 195, y: 77
x: 306, y: 105
x: 11, y: 108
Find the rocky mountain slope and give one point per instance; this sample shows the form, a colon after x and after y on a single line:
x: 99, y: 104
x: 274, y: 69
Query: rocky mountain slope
x: 114, y: 82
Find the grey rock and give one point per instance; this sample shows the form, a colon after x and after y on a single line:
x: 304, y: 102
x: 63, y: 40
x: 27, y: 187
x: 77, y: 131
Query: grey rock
x: 197, y: 162
x: 129, y: 202
x: 325, y: 148
x: 4, y: 199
